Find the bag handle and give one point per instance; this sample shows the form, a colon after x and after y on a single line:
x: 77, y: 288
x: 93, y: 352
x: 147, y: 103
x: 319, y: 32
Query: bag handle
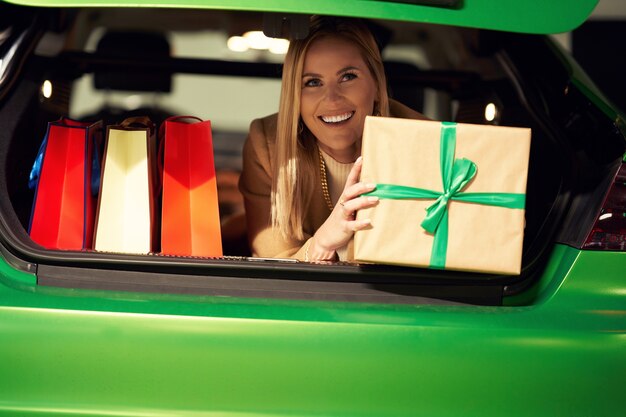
x: 138, y: 121
x: 162, y: 129
x: 66, y: 121
x: 175, y: 118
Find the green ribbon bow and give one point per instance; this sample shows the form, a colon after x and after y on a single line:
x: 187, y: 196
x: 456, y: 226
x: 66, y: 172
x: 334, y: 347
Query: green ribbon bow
x: 455, y: 174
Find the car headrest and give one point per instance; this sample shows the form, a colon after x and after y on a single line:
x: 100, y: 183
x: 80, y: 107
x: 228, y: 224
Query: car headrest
x: 133, y: 46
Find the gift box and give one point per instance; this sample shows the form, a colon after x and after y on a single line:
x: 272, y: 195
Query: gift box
x: 452, y: 196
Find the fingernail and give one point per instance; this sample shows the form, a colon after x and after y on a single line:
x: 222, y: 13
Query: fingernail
x: 370, y: 185
x: 372, y: 199
x: 359, y: 159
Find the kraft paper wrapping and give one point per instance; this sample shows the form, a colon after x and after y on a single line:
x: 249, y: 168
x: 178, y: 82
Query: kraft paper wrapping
x: 481, y: 238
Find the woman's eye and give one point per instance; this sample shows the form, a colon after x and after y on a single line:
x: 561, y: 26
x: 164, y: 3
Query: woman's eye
x: 313, y: 82
x: 348, y: 76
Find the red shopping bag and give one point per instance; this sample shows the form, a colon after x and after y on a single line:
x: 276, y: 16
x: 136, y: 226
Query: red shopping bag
x: 126, y: 219
x: 190, y: 222
x: 66, y: 175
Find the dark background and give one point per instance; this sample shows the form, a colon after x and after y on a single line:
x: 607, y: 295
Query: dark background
x: 599, y: 46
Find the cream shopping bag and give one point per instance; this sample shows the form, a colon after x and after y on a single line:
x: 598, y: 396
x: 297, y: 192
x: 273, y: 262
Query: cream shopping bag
x: 126, y: 206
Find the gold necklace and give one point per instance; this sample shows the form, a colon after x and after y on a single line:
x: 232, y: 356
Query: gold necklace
x: 329, y: 202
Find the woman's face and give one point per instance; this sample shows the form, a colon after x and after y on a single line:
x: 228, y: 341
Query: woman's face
x: 338, y: 91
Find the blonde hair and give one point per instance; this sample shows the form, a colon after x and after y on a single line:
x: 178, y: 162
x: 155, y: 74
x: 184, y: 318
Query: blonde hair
x: 295, y: 145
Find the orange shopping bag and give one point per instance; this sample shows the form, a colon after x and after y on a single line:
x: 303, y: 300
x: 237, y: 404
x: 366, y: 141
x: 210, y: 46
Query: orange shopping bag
x: 190, y: 222
x: 66, y: 175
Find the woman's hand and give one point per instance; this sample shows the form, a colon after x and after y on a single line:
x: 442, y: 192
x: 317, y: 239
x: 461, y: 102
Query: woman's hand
x: 340, y: 226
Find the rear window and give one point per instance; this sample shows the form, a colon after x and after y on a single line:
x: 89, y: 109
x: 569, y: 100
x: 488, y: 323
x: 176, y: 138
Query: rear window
x: 447, y: 73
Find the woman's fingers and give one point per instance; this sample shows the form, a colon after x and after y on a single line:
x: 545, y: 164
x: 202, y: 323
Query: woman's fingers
x: 354, y: 191
x: 356, y: 225
x: 353, y: 187
x: 350, y: 207
x: 341, y: 225
x: 355, y: 172
x: 351, y: 199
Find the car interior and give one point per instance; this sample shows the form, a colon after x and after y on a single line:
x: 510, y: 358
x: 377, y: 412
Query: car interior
x: 110, y: 64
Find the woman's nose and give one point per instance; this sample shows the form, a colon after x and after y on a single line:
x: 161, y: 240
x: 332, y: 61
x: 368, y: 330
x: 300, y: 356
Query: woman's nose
x: 333, y: 93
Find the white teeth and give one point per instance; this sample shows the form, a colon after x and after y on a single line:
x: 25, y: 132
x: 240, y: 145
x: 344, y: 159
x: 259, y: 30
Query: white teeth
x: 337, y: 119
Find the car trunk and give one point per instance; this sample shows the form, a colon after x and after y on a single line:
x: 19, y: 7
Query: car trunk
x: 538, y: 96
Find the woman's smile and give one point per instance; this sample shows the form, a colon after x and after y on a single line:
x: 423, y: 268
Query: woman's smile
x: 337, y: 119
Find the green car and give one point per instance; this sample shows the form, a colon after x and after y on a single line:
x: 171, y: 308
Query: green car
x: 89, y: 333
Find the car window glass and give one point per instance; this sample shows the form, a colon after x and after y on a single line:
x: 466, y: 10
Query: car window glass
x: 217, y: 98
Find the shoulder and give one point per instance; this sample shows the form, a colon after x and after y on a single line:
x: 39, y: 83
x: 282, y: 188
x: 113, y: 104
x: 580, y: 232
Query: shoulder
x: 259, y: 147
x: 397, y: 109
x: 261, y: 137
x: 264, y: 129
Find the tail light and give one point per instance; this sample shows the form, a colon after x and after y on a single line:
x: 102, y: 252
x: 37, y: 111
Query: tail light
x: 609, y: 230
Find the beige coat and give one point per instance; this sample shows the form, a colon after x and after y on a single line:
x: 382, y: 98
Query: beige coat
x: 256, y: 185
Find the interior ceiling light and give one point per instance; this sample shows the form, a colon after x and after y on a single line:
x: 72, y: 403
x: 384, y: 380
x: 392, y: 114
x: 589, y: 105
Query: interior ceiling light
x: 279, y: 46
x: 46, y: 89
x: 237, y: 44
x: 491, y: 112
x: 258, y: 41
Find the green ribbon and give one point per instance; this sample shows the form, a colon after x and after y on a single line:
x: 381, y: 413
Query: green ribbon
x: 455, y: 175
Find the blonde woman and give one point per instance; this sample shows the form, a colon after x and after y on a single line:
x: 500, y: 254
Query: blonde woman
x: 301, y: 167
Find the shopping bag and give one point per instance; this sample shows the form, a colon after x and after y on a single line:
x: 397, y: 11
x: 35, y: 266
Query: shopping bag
x: 66, y: 175
x: 190, y: 221
x: 126, y: 218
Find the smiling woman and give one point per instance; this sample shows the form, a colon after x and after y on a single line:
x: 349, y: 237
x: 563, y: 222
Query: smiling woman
x: 301, y: 166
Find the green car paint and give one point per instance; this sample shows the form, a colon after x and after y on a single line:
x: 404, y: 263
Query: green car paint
x: 528, y: 16
x: 99, y: 353
x: 556, y: 349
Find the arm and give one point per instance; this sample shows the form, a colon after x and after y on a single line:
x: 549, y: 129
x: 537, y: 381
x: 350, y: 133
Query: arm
x: 256, y: 186
x: 339, y: 227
